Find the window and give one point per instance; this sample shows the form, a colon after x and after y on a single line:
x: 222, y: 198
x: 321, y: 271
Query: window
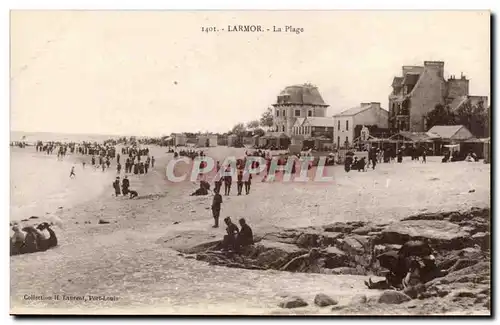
x: 283, y: 129
x: 277, y: 113
x: 284, y: 113
x: 338, y: 142
x: 338, y: 125
x: 297, y: 112
x: 347, y: 125
x: 310, y: 113
x: 346, y: 141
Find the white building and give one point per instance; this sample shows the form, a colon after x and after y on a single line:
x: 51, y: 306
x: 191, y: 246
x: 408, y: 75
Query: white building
x: 365, y: 114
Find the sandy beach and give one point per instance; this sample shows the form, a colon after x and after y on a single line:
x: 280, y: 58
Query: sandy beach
x: 134, y: 261
x: 40, y: 183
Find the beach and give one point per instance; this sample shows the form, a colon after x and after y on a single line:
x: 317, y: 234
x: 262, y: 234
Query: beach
x: 135, y: 257
x: 40, y: 183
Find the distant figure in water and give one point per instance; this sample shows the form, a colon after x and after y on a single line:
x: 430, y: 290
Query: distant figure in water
x: 72, y: 173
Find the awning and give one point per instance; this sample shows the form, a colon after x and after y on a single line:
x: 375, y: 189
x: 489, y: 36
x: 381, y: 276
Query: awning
x: 451, y: 145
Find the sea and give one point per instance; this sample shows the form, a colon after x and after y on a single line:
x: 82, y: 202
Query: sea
x: 40, y: 184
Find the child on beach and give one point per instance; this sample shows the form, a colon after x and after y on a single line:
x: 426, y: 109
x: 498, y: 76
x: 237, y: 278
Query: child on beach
x: 72, y: 173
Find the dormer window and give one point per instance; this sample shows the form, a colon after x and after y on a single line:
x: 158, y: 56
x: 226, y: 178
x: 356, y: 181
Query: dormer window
x: 310, y: 113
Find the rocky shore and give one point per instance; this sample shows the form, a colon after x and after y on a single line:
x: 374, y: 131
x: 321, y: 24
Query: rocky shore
x: 461, y: 240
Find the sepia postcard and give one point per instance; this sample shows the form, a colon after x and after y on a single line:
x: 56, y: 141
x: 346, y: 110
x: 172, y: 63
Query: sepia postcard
x: 250, y: 162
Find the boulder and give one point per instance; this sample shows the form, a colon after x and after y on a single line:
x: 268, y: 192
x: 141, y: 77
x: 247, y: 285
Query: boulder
x: 393, y: 297
x: 427, y: 216
x: 323, y: 300
x: 358, y: 300
x: 293, y: 302
x: 308, y: 240
x: 441, y: 234
x: 339, y: 227
x: 275, y: 255
x: 352, y: 246
x: 348, y: 270
x: 482, y: 239
x: 334, y: 257
x: 365, y: 230
x: 330, y: 238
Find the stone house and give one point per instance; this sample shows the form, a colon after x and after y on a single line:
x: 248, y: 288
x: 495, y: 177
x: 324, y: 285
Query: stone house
x: 420, y: 89
x: 297, y: 101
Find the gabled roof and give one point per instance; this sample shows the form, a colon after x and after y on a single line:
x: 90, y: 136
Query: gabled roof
x: 354, y: 110
x: 358, y: 109
x: 457, y: 102
x: 446, y: 131
x: 411, y: 78
x: 397, y: 81
x: 320, y: 121
x: 416, y: 136
x: 299, y: 121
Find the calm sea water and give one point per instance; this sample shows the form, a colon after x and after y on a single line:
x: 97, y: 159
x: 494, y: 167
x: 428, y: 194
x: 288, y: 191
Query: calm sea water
x: 32, y: 137
x: 40, y: 183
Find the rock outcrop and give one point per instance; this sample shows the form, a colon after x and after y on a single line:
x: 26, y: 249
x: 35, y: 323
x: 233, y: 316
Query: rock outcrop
x: 460, y: 240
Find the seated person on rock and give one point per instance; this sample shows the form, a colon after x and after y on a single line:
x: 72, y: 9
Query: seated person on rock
x: 245, y: 236
x: 361, y: 164
x: 229, y: 241
x: 415, y: 259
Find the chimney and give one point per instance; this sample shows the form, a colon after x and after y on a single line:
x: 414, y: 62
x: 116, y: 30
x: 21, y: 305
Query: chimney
x: 375, y: 104
x: 365, y: 104
x: 437, y: 66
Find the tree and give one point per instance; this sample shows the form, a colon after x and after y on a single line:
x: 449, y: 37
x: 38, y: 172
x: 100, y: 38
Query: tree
x: 266, y: 120
x: 239, y: 129
x: 474, y: 118
x: 260, y: 132
x: 440, y: 115
x: 253, y: 124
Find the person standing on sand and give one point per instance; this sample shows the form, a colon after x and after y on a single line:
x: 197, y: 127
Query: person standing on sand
x: 152, y: 161
x: 227, y: 182
x: 424, y: 156
x: 72, y: 173
x: 103, y: 167
x: 239, y: 182
x: 125, y: 185
x: 217, y: 201
x: 118, y: 168
x: 248, y: 182
x: 116, y: 185
x: 83, y: 164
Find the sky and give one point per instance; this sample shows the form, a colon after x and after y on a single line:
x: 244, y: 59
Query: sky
x: 155, y: 72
